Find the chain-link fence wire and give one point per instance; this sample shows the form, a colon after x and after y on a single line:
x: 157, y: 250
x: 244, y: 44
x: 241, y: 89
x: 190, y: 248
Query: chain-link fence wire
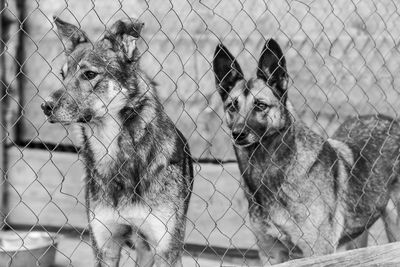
x: 341, y: 57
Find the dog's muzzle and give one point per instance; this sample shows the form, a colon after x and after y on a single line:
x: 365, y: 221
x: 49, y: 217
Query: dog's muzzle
x: 240, y: 137
x: 85, y: 118
x: 47, y: 108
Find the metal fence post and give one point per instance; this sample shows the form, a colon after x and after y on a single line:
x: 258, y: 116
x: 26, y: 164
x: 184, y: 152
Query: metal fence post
x: 3, y: 127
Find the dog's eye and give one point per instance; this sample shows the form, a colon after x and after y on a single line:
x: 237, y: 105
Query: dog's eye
x: 260, y: 106
x: 232, y: 106
x: 89, y: 75
x: 62, y: 74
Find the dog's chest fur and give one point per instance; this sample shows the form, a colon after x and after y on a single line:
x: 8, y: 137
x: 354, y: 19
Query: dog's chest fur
x: 102, y: 139
x: 278, y: 163
x: 280, y: 180
x: 155, y: 224
x: 122, y: 166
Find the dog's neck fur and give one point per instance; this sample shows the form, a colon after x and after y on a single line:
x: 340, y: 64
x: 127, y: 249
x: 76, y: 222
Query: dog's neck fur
x: 126, y: 150
x: 102, y: 138
x: 263, y: 165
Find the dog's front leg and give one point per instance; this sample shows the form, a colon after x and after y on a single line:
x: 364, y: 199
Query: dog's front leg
x: 168, y: 258
x: 109, y: 239
x: 359, y: 242
x: 144, y: 253
x: 165, y: 235
x: 391, y: 215
x: 168, y: 251
x: 271, y: 250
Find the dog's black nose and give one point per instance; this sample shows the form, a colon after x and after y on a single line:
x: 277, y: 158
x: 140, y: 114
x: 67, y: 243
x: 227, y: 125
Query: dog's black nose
x: 47, y: 107
x: 239, y: 135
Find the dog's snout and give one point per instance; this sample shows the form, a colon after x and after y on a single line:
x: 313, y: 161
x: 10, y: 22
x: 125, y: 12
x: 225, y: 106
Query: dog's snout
x: 239, y: 135
x: 47, y: 107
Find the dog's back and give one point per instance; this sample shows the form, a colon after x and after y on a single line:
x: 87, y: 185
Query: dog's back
x: 374, y: 142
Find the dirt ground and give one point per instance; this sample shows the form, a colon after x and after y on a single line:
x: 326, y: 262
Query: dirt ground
x: 78, y: 253
x: 217, y: 214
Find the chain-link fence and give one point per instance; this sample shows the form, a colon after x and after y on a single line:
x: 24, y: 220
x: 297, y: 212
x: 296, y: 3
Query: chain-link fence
x: 342, y: 60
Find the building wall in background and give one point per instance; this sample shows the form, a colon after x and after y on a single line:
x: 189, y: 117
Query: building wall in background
x: 341, y: 58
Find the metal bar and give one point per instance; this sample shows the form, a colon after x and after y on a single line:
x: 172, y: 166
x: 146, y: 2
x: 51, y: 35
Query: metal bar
x: 75, y: 149
x: 20, y: 71
x: 194, y: 250
x: 3, y: 126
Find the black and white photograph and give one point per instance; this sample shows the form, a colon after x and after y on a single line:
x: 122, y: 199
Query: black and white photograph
x: 199, y: 133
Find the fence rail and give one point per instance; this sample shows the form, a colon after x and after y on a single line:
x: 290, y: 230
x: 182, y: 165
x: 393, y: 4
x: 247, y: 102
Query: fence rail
x: 3, y: 130
x: 383, y: 255
x: 216, y: 253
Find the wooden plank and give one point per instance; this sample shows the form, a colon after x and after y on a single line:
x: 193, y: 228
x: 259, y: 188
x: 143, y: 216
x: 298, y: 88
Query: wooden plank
x: 383, y: 255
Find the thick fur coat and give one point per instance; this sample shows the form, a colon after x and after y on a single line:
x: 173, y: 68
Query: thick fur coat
x: 139, y: 170
x: 307, y: 195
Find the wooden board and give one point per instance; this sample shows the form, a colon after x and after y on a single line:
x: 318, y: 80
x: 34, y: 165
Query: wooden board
x: 384, y: 255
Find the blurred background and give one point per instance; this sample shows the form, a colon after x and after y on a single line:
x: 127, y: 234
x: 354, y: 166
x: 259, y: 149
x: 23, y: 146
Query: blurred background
x: 343, y: 60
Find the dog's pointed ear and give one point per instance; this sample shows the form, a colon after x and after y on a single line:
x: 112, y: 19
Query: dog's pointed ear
x: 71, y: 36
x: 123, y: 34
x: 227, y: 71
x: 272, y: 67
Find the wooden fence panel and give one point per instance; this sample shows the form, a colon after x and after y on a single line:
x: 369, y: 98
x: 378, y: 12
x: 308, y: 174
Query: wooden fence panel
x: 383, y: 255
